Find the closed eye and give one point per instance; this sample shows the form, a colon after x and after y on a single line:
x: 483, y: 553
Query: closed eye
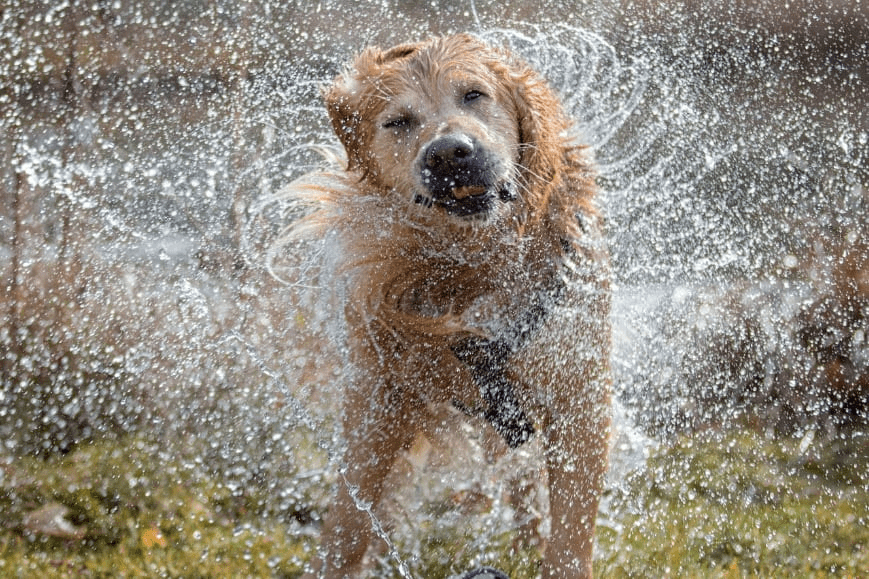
x: 397, y: 123
x: 472, y: 95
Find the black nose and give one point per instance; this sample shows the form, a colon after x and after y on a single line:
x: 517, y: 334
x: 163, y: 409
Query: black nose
x: 450, y: 153
x: 459, y: 173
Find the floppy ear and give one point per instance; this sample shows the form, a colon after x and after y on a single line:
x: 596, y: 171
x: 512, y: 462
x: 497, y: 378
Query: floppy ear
x: 542, y: 126
x: 343, y: 103
x: 350, y: 100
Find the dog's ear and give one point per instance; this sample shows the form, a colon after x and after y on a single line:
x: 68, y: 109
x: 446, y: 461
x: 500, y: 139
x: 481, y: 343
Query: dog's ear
x: 398, y: 52
x: 542, y: 126
x: 343, y: 103
x: 352, y: 98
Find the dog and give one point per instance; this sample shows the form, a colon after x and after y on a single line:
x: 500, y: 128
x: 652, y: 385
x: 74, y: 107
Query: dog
x: 465, y: 230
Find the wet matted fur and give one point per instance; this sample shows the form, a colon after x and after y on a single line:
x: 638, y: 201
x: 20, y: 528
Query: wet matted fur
x: 474, y: 275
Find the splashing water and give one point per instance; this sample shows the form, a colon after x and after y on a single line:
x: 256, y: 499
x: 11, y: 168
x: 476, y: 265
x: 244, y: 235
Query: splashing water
x: 140, y: 210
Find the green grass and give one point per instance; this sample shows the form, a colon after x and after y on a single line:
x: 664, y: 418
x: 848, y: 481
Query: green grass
x: 742, y: 505
x: 141, y: 516
x: 734, y: 505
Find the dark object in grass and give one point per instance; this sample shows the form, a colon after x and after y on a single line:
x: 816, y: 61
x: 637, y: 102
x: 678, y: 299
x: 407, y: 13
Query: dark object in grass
x: 484, y: 573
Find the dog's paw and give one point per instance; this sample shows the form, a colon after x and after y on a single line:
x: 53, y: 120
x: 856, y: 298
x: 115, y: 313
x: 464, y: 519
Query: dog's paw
x: 482, y: 573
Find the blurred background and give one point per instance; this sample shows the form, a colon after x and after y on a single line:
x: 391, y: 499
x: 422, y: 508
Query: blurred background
x: 143, y: 142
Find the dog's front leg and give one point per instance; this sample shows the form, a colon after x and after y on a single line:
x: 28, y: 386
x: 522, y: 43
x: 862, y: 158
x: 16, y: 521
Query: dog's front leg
x: 377, y: 427
x: 577, y: 442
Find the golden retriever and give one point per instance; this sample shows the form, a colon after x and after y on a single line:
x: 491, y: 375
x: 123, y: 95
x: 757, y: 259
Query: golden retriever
x: 474, y: 274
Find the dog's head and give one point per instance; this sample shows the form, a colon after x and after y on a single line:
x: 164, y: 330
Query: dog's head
x: 452, y: 126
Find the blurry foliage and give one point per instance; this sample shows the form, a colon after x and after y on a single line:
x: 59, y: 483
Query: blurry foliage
x: 447, y: 551
x: 784, y: 355
x: 129, y: 302
x: 110, y: 347
x: 64, y: 371
x: 786, y: 352
x: 141, y: 134
x: 834, y: 326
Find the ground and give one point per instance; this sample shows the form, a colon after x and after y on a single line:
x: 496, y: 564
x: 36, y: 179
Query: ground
x: 729, y: 504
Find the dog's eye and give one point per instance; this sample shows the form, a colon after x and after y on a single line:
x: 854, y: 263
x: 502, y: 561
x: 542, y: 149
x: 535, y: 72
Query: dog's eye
x: 471, y: 96
x: 396, y: 123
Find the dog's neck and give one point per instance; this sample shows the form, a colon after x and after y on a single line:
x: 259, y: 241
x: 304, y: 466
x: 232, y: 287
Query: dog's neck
x: 485, y: 288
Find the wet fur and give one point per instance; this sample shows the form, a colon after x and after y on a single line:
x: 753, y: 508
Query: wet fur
x: 432, y: 298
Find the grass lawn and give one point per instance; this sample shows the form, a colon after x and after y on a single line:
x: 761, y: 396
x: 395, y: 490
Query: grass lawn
x: 735, y: 504
x: 741, y: 505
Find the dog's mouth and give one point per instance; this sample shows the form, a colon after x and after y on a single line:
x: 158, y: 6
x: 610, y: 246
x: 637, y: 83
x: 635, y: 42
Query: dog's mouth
x: 462, y: 177
x: 468, y: 200
x: 466, y: 191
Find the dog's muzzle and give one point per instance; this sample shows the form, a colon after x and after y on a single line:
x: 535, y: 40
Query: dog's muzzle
x: 462, y: 176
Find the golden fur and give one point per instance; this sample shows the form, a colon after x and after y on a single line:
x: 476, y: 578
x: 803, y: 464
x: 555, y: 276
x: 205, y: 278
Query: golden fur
x: 437, y: 275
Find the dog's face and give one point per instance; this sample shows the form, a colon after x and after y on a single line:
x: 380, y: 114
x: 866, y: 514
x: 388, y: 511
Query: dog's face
x: 448, y: 139
x: 445, y: 125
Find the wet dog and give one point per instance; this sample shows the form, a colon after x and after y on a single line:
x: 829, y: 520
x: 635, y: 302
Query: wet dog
x: 474, y: 274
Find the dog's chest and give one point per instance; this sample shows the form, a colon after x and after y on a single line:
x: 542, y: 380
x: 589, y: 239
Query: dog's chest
x: 487, y: 301
x: 473, y: 299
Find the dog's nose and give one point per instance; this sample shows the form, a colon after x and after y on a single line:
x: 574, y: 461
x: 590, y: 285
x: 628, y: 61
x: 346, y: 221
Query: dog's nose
x: 450, y: 152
